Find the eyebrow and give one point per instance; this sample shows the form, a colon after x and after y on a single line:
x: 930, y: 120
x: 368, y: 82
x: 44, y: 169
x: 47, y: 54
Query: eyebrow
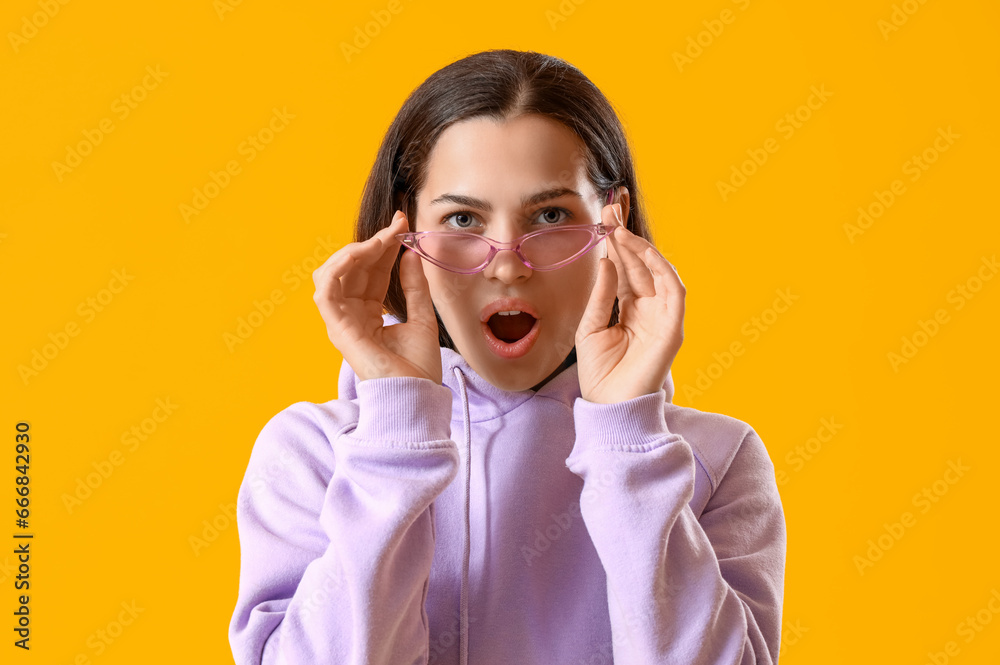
x: 526, y: 201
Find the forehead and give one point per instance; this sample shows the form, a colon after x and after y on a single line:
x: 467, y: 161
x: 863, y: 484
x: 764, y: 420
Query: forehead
x: 494, y: 158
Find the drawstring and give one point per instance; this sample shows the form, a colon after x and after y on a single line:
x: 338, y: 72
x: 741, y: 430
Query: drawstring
x: 464, y: 619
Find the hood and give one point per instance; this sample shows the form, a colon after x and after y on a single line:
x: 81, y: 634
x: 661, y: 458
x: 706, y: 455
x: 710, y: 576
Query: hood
x: 481, y: 401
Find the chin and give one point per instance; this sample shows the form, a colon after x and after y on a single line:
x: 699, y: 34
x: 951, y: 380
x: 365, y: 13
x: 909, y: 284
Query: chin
x: 512, y: 375
x: 501, y: 373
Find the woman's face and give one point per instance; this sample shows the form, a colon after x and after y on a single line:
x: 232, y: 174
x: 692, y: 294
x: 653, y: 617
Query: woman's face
x: 500, y: 165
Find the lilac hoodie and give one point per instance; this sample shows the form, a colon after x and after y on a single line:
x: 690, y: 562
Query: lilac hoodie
x: 408, y: 522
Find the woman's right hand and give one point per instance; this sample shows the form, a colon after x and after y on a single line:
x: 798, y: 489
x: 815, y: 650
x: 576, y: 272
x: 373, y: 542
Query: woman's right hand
x: 350, y: 288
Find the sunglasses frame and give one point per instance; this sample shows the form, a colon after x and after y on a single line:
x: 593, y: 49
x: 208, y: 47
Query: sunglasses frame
x: 411, y: 241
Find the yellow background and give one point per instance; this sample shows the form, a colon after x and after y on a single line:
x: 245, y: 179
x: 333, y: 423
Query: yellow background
x: 163, y: 336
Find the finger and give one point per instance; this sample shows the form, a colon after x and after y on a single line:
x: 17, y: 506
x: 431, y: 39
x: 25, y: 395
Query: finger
x: 416, y: 290
x: 319, y: 275
x: 602, y: 300
x: 630, y: 248
x: 355, y: 248
x: 381, y: 272
x: 624, y: 288
x: 325, y: 277
x: 669, y: 287
x: 330, y: 295
x: 381, y: 251
x: 329, y: 299
x: 334, y: 306
x: 359, y: 277
x: 664, y: 271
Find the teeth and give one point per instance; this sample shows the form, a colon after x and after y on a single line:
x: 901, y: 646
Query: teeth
x: 512, y: 313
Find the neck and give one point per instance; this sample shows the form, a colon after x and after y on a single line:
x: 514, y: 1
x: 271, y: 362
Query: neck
x: 570, y: 359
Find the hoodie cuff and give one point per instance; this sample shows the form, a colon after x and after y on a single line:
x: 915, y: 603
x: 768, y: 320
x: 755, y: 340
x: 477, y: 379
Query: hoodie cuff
x: 403, y: 411
x: 637, y: 424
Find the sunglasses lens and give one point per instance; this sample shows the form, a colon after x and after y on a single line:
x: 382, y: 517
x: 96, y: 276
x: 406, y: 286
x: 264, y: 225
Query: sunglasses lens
x: 460, y: 252
x: 469, y: 251
x: 548, y: 249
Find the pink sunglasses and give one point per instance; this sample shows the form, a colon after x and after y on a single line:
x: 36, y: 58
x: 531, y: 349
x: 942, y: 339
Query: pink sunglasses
x: 470, y: 253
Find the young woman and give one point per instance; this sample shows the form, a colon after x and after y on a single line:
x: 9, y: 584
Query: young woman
x: 503, y: 477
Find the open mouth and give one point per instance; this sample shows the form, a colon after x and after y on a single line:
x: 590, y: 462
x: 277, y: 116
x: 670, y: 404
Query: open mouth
x: 509, y: 328
x: 511, y: 336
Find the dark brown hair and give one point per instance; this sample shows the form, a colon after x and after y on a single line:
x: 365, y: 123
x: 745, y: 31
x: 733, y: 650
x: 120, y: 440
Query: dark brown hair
x: 500, y: 84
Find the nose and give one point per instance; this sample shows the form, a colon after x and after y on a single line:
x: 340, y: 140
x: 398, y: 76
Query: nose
x: 507, y: 267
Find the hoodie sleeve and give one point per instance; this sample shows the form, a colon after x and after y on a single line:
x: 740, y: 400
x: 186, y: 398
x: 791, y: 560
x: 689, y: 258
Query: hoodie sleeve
x: 336, y: 557
x: 680, y: 589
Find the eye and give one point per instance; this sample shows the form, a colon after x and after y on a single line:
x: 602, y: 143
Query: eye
x: 546, y: 214
x: 464, y: 215
x: 463, y: 219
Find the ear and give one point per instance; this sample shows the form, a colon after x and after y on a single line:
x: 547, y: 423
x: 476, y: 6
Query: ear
x: 621, y: 196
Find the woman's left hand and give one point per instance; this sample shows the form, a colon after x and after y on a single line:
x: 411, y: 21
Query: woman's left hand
x: 633, y: 357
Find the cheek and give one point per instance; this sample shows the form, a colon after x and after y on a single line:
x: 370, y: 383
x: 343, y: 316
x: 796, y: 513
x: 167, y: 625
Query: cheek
x: 449, y: 291
x: 587, y: 277
x: 576, y: 287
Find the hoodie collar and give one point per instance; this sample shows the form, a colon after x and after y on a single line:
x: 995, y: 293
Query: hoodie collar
x: 487, y: 401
